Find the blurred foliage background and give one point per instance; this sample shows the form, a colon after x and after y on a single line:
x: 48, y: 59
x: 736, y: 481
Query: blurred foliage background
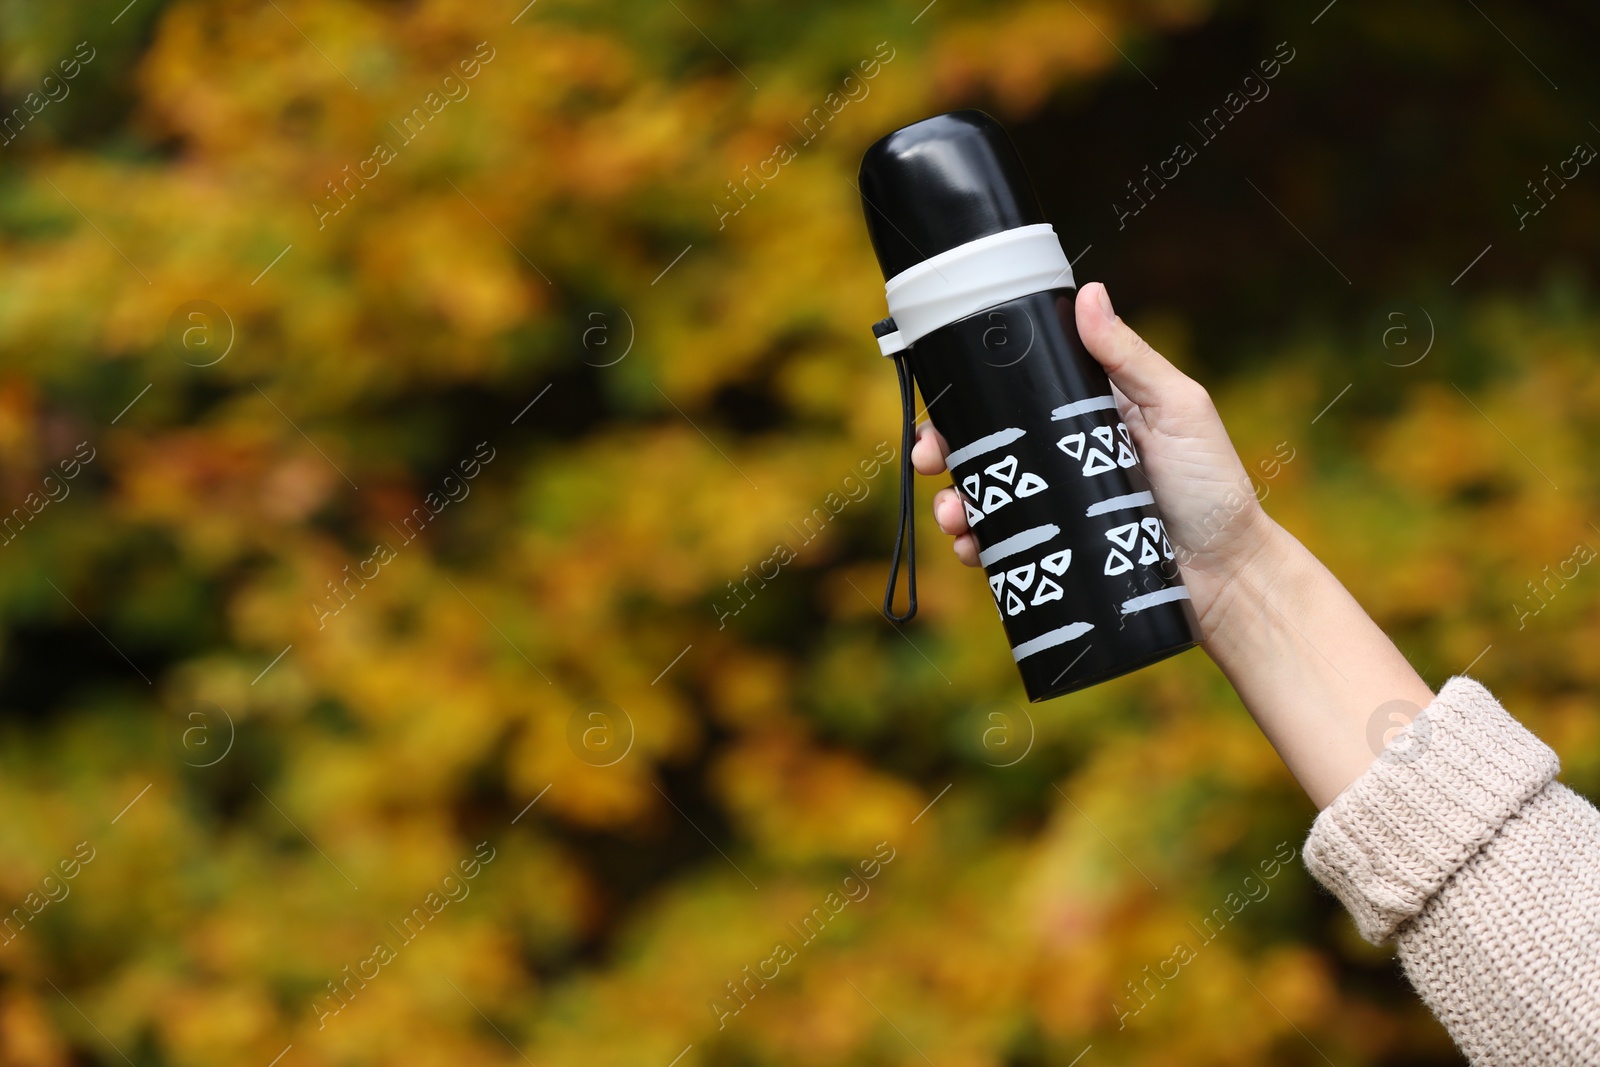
x: 272, y: 763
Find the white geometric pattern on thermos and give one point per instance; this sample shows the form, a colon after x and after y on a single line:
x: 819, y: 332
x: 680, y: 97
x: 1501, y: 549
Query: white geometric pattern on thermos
x: 1032, y: 584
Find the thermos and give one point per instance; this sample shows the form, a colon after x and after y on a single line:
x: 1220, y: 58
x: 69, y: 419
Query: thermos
x: 980, y: 296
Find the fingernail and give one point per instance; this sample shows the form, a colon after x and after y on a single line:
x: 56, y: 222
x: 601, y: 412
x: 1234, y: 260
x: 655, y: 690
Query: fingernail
x: 1104, y: 299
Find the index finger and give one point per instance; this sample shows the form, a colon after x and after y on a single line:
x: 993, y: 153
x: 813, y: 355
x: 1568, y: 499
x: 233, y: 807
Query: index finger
x: 929, y: 452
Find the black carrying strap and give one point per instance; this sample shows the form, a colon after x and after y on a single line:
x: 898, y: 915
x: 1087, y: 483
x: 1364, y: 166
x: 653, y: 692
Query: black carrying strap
x: 905, y: 536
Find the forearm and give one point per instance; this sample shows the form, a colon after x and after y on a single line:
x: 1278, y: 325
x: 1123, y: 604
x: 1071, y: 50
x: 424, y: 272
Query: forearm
x: 1310, y: 665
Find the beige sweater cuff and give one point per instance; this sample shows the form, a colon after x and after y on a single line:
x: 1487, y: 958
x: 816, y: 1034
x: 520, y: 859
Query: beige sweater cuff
x: 1442, y: 788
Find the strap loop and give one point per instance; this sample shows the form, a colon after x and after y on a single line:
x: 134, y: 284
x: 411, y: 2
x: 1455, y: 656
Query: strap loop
x: 905, y: 537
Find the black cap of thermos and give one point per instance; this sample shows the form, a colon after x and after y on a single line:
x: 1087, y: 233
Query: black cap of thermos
x: 939, y: 183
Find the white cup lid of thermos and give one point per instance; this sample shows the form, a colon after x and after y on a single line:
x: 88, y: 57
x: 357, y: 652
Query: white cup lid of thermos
x: 967, y: 279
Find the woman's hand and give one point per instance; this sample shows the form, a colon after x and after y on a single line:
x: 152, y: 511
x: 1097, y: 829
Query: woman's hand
x: 1306, y: 660
x: 1206, y: 500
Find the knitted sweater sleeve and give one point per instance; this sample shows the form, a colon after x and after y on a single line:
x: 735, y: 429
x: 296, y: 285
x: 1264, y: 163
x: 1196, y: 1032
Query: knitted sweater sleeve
x: 1459, y: 844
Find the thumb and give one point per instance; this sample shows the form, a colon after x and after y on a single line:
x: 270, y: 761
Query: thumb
x: 1143, y: 374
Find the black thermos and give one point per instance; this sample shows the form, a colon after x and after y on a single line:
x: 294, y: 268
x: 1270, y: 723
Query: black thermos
x: 981, y: 313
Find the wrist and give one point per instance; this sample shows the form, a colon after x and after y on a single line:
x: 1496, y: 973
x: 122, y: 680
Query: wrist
x: 1260, y: 572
